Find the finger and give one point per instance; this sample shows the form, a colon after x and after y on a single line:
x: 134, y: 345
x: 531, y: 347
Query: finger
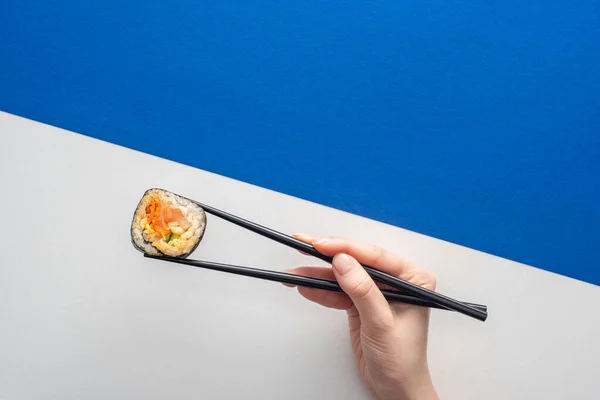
x: 315, y: 272
x: 289, y: 271
x: 305, y: 237
x: 328, y: 299
x: 323, y: 273
x: 375, y: 312
x: 378, y: 258
x: 325, y: 298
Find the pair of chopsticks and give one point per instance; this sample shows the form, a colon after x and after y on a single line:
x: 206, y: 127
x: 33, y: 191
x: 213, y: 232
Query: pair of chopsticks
x: 409, y: 292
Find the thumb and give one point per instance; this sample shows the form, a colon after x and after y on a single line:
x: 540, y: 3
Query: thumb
x: 374, y: 310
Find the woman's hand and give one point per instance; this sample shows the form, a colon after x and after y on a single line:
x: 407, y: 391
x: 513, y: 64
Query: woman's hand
x: 389, y: 340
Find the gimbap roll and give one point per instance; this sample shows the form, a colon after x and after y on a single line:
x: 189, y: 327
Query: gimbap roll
x: 167, y: 224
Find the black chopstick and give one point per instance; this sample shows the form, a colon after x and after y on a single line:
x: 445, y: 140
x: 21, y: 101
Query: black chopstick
x: 300, y: 280
x: 396, y: 283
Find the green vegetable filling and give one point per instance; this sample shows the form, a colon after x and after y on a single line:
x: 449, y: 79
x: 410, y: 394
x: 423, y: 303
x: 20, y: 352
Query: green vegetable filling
x: 171, y: 236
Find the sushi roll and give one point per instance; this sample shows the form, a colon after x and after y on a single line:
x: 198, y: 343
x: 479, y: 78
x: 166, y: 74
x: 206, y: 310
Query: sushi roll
x: 167, y: 224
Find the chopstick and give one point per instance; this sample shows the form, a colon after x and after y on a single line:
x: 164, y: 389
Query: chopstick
x: 300, y: 280
x: 397, y: 283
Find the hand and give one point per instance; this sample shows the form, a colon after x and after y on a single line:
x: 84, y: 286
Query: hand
x: 389, y: 340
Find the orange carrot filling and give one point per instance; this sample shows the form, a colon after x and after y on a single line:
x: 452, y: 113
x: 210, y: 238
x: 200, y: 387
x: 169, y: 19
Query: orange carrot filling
x: 159, y: 216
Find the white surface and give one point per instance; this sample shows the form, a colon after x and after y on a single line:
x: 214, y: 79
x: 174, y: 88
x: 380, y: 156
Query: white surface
x: 84, y: 316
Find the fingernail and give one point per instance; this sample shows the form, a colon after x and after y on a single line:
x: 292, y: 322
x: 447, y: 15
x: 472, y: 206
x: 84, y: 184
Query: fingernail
x: 288, y: 271
x: 343, y: 263
x: 322, y: 241
x: 303, y: 236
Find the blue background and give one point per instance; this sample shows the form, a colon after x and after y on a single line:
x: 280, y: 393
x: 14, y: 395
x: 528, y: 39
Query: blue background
x: 474, y: 122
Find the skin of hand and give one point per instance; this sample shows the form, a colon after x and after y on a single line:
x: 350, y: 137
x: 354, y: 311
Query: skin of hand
x: 389, y: 341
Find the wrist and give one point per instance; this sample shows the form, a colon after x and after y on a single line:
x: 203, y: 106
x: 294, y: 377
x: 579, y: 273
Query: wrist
x: 418, y: 388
